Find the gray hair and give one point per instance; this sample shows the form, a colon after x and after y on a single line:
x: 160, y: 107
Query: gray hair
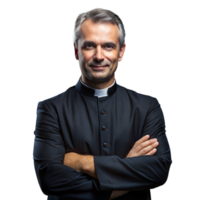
x: 99, y: 15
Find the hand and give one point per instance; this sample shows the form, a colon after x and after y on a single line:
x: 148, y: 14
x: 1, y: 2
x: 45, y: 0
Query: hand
x: 143, y: 147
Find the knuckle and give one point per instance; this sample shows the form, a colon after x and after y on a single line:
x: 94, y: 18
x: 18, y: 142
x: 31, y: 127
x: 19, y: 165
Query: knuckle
x: 152, y: 141
x: 142, y: 145
x: 143, y: 150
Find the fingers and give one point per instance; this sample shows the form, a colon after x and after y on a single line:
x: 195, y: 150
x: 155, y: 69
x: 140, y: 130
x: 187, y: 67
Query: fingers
x: 152, y: 148
x: 144, y: 144
x: 150, y: 153
x: 147, y: 147
x: 144, y: 138
x: 148, y: 150
x: 144, y: 147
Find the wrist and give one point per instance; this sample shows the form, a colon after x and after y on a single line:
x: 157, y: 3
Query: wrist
x: 87, y: 165
x: 72, y: 160
x: 81, y: 164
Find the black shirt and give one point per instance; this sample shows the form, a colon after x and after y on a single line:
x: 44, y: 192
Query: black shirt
x: 107, y: 128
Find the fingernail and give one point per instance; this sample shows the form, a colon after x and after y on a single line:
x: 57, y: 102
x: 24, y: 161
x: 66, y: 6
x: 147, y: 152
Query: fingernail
x: 156, y: 143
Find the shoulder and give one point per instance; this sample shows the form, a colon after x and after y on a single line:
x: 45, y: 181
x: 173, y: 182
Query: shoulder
x: 137, y: 97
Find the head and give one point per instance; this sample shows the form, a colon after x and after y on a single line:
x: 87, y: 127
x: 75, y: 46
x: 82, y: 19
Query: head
x: 99, y: 43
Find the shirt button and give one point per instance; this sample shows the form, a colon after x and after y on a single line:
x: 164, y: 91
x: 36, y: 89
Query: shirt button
x: 104, y: 144
x: 103, y: 127
x: 102, y: 100
x: 102, y: 112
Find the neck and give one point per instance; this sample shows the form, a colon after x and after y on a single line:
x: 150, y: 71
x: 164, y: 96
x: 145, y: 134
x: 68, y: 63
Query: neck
x: 98, y: 86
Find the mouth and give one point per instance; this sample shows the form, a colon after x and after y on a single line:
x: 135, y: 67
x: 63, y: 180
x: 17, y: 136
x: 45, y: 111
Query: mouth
x: 99, y: 67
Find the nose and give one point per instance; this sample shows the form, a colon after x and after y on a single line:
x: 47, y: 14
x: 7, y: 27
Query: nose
x: 98, y: 56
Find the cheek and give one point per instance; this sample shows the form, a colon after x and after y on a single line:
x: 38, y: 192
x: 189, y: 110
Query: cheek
x: 114, y: 60
x: 112, y: 57
x: 86, y: 56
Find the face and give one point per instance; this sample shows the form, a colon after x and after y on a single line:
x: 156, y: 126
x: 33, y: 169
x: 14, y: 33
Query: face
x: 98, y: 51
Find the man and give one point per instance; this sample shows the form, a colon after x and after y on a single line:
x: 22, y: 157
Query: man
x: 99, y: 140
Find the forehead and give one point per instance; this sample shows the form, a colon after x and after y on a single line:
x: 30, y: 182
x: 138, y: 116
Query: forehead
x: 99, y: 32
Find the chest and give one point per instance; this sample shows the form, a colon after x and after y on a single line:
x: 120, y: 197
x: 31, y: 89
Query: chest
x: 105, y: 126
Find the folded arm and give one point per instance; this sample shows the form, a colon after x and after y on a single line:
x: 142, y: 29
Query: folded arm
x: 85, y: 164
x: 56, y: 179
x: 134, y: 172
x: 141, y: 172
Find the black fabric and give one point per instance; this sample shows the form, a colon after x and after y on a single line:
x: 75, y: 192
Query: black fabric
x: 74, y: 122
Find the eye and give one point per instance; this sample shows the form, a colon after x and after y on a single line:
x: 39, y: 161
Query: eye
x: 88, y: 46
x: 109, y: 47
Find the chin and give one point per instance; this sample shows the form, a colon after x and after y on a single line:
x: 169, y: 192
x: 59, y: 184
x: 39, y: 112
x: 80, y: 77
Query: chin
x: 100, y: 78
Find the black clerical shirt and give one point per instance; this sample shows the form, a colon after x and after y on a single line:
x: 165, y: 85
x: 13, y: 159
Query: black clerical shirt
x: 107, y: 128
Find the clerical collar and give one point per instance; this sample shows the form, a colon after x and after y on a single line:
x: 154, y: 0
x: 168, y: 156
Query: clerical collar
x: 89, y: 91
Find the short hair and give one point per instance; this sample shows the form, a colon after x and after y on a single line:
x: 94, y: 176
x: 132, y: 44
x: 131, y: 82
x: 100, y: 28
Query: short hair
x: 99, y: 15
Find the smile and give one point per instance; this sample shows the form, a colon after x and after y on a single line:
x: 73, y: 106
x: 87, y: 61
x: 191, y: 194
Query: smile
x: 98, y: 67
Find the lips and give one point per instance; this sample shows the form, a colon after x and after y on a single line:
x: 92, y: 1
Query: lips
x: 98, y: 67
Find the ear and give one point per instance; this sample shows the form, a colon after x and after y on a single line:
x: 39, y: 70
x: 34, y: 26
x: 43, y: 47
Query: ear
x: 76, y: 51
x: 121, y: 52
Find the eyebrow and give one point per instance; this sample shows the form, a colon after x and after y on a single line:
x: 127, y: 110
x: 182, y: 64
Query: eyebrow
x: 106, y: 43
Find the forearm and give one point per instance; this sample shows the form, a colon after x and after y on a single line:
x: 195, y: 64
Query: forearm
x: 81, y: 163
x: 85, y: 164
x: 89, y: 168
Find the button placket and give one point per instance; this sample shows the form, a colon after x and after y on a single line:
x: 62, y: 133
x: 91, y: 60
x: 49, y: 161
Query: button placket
x: 104, y: 128
x: 103, y: 112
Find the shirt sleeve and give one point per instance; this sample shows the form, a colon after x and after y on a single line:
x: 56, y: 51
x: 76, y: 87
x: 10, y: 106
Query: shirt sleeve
x: 142, y: 172
x: 56, y: 179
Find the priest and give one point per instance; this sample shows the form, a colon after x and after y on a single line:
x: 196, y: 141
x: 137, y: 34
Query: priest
x: 99, y: 140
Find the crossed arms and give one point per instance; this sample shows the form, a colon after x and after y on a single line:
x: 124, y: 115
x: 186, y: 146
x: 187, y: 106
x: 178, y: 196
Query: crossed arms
x: 85, y: 164
x: 85, y: 179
